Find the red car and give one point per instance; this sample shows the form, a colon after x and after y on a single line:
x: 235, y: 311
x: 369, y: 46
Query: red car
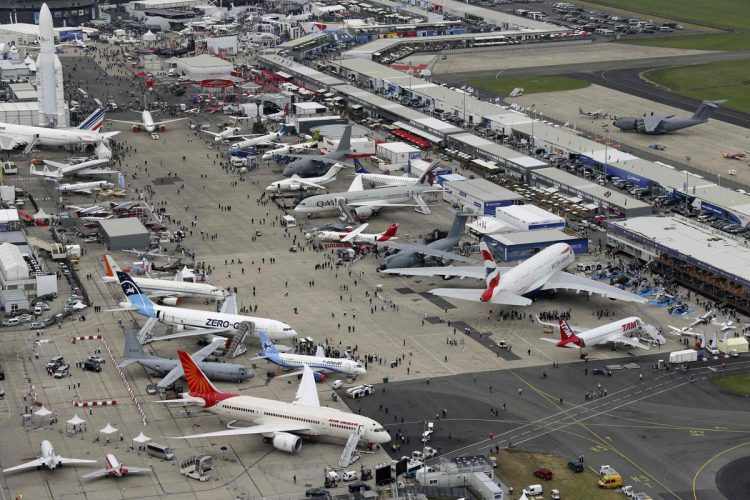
x: 543, y: 473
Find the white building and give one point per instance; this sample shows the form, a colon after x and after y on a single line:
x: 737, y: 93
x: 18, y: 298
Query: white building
x: 204, y: 67
x: 397, y: 154
x: 529, y: 217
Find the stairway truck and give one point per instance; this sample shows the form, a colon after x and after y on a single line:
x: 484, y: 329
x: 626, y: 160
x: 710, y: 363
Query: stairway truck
x: 685, y: 356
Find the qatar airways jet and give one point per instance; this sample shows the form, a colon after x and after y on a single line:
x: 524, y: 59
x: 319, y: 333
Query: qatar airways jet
x: 283, y: 423
x: 509, y: 285
x: 623, y: 331
x: 356, y: 235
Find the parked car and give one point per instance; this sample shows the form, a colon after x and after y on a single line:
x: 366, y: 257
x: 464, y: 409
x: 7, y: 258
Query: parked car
x: 575, y: 466
x: 544, y: 473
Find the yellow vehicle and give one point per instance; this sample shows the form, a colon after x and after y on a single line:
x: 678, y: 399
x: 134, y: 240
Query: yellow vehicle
x: 610, y: 481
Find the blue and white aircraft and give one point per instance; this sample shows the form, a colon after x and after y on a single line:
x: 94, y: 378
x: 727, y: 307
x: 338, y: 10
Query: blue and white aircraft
x: 319, y: 363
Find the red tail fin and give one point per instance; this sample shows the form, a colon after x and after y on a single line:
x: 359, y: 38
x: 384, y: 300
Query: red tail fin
x: 567, y: 335
x: 389, y: 233
x: 198, y: 384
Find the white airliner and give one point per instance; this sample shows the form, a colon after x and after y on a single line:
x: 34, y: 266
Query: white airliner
x: 49, y: 459
x: 14, y: 136
x: 85, y: 187
x: 226, y: 134
x: 623, y: 331
x: 167, y: 291
x: 283, y: 423
x: 198, y: 321
x: 355, y: 235
x: 508, y: 285
x: 296, y: 183
x: 271, y: 138
x: 59, y: 170
x: 147, y: 122
x: 115, y: 469
x: 319, y: 363
x: 287, y: 148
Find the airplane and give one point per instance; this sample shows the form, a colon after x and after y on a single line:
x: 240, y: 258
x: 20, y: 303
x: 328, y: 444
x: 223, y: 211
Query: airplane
x: 382, y: 180
x: 296, y: 183
x: 320, y: 365
x: 412, y: 254
x: 314, y: 165
x: 60, y: 170
x: 361, y: 204
x: 355, y: 235
x: 171, y: 370
x: 13, y: 136
x: 115, y: 469
x: 509, y: 285
x: 284, y: 149
x: 147, y: 122
x: 284, y: 424
x: 622, y: 331
x: 227, y: 133
x: 167, y: 291
x: 84, y: 187
x: 593, y: 114
x: 49, y: 460
x: 198, y: 321
x: 262, y: 140
x: 653, y: 124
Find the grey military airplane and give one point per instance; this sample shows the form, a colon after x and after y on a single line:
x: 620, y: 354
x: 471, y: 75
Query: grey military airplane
x: 171, y: 369
x: 411, y: 254
x: 360, y: 204
x: 317, y: 165
x: 653, y: 124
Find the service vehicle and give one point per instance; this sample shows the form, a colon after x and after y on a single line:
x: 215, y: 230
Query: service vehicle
x: 610, y: 481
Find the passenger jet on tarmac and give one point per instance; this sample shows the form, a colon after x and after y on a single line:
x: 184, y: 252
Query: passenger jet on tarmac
x: 147, y: 122
x: 623, y: 331
x: 509, y: 285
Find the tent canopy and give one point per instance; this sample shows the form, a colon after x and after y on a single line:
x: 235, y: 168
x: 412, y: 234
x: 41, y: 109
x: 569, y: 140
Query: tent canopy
x: 141, y: 438
x: 108, y: 429
x: 42, y: 412
x: 76, y: 420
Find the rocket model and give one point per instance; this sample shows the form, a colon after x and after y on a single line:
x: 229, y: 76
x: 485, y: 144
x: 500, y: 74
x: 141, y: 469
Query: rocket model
x: 49, y: 75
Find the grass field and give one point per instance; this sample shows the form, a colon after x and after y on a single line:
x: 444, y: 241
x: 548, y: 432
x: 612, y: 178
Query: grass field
x: 517, y: 469
x: 738, y: 384
x: 531, y: 84
x: 728, y: 80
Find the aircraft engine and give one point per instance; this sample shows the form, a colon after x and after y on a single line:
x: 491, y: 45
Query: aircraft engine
x: 363, y: 213
x: 162, y: 128
x: 169, y: 301
x: 283, y: 441
x: 320, y: 377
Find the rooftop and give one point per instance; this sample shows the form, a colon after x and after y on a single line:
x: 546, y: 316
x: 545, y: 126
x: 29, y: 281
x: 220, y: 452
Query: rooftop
x: 484, y: 190
x: 527, y: 237
x: 122, y: 227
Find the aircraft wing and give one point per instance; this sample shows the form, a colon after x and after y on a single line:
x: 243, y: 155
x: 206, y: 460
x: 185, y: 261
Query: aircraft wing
x: 138, y: 470
x: 97, y: 474
x: 566, y: 281
x: 475, y: 294
x: 425, y: 250
x: 139, y: 124
x: 476, y: 272
x: 254, y: 429
x: 8, y: 142
x: 651, y: 122
x: 354, y: 232
x: 631, y: 341
x: 169, y: 121
x: 230, y: 305
x: 381, y: 203
x: 311, y: 184
x: 75, y: 461
x: 307, y: 392
x: 28, y: 465
x: 176, y: 372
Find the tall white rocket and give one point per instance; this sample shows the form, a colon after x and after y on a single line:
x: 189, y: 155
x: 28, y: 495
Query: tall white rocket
x: 49, y: 75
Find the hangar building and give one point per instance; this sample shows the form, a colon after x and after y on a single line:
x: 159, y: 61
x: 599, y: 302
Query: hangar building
x: 124, y: 234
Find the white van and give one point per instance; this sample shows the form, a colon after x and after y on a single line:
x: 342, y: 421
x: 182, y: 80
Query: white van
x: 160, y: 451
x: 288, y: 221
x: 534, y: 490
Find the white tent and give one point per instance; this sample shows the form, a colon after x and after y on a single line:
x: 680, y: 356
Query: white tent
x: 148, y: 36
x: 108, y: 429
x: 42, y: 412
x: 75, y: 424
x: 141, y: 440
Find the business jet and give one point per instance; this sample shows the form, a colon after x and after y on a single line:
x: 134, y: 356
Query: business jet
x: 226, y: 134
x: 509, y: 285
x: 49, y: 460
x: 623, y: 331
x: 283, y: 423
x: 58, y: 170
x: 14, y: 136
x: 262, y: 140
x: 198, y: 322
x: 168, y: 292
x: 296, y: 183
x: 287, y: 148
x: 321, y: 365
x: 84, y: 187
x: 115, y: 469
x: 147, y: 122
x: 355, y: 235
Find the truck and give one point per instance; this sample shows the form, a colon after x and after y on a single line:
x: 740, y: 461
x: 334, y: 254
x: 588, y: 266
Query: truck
x: 684, y: 356
x: 10, y: 168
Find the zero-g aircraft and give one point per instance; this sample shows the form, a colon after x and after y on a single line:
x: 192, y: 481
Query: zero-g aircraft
x: 284, y: 424
x: 362, y: 204
x: 197, y: 322
x: 171, y: 370
x: 653, y: 124
x: 509, y: 285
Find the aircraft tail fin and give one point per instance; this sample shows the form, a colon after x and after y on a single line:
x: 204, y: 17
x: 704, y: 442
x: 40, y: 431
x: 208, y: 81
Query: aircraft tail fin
x: 428, y: 177
x: 198, y: 384
x: 110, y: 268
x: 333, y: 171
x: 459, y: 224
x: 135, y: 296
x: 706, y: 109
x: 268, y: 348
x: 388, y: 233
x: 567, y: 335
x: 345, y: 144
x: 133, y: 348
x: 491, y: 272
x: 94, y: 121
